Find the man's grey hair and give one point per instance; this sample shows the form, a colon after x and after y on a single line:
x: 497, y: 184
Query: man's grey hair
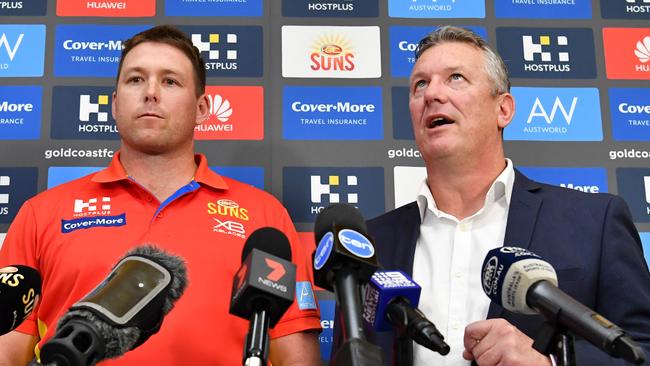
x: 494, y: 65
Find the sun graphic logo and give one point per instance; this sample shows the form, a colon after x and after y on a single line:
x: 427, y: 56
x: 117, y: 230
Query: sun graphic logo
x: 332, y: 52
x: 643, y: 49
x: 220, y: 108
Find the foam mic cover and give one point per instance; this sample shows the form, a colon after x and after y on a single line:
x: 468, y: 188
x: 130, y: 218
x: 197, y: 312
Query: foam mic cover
x: 266, y: 279
x: 342, y: 241
x: 122, y: 312
x: 20, y: 290
x: 522, y: 282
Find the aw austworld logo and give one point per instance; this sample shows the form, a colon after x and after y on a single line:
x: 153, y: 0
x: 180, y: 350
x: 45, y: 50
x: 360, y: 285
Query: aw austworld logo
x: 332, y: 113
x: 436, y: 9
x: 22, y: 50
x: 589, y: 180
x: 90, y: 50
x: 556, y: 114
x: 20, y: 112
x: 630, y: 112
x: 404, y: 41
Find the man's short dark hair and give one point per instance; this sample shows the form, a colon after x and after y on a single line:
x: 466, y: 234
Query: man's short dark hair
x: 174, y: 37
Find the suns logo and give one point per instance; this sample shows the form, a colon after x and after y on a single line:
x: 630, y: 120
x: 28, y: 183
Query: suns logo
x: 332, y: 52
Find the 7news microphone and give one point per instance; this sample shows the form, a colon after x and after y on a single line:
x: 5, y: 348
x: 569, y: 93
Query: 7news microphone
x: 522, y: 282
x: 390, y: 300
x: 121, y: 313
x: 20, y: 290
x: 344, y: 256
x: 263, y: 289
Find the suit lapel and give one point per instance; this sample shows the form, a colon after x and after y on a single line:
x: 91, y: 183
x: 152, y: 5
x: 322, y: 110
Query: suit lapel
x: 522, y: 216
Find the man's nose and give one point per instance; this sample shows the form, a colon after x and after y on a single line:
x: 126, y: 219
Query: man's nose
x: 152, y: 92
x: 436, y: 92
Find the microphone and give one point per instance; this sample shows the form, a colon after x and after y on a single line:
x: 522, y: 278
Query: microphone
x: 20, y: 290
x: 122, y: 312
x: 389, y: 301
x: 522, y: 282
x: 263, y: 289
x: 344, y: 256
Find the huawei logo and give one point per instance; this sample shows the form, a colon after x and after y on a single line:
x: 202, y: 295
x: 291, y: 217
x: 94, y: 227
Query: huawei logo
x: 643, y: 49
x: 220, y: 108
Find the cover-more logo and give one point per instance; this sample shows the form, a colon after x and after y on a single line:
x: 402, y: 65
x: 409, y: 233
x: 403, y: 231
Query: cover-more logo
x: 20, y: 112
x: 630, y: 112
x: 22, y: 50
x: 337, y: 52
x: 548, y: 53
x: 627, y: 53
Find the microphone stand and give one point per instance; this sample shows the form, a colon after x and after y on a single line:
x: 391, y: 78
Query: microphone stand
x: 355, y: 350
x: 555, y: 340
x: 402, y: 351
x: 256, y: 349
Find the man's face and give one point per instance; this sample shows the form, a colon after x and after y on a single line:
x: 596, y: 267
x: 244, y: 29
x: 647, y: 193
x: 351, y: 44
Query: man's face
x: 453, y: 111
x: 155, y: 103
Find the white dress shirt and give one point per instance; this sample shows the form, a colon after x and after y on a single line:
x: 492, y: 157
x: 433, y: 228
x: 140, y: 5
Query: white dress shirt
x: 448, y: 258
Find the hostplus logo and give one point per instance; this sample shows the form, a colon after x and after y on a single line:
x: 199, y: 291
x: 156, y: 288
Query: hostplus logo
x: 4, y: 197
x: 88, y: 108
x: 637, y: 6
x: 326, y: 190
x: 92, y: 207
x: 634, y: 187
x: 220, y: 49
x: 539, y: 49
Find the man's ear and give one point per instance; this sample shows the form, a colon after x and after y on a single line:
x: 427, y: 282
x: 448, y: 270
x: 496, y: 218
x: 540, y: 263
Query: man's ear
x: 506, y: 110
x: 202, y: 109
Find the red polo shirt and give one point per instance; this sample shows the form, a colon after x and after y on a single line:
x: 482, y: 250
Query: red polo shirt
x: 73, y: 234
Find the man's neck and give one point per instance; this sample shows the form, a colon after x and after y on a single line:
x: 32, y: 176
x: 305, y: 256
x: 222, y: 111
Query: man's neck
x: 161, y: 175
x: 460, y: 189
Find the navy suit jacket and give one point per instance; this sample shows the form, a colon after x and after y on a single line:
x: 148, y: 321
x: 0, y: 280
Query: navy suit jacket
x: 589, y: 239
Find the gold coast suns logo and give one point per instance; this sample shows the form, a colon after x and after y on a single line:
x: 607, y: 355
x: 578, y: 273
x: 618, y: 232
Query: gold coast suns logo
x: 332, y: 52
x: 230, y: 208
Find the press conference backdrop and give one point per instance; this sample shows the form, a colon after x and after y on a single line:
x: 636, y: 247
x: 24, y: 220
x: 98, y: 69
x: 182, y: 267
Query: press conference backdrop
x: 309, y: 97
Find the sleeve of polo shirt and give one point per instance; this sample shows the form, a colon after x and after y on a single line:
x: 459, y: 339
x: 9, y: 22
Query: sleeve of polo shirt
x: 303, y: 314
x: 19, y: 247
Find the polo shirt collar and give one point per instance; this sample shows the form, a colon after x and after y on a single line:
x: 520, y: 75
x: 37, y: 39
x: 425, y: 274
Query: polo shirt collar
x: 204, y: 175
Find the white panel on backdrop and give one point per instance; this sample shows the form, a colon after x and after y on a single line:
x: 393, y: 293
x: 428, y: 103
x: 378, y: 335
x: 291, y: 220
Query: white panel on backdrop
x: 330, y: 52
x: 2, y: 238
x: 407, y: 183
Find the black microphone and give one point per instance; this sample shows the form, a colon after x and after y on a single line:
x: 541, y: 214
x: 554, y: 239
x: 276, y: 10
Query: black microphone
x: 343, y: 257
x: 20, y: 290
x: 121, y: 313
x: 390, y: 300
x: 522, y: 282
x: 263, y: 289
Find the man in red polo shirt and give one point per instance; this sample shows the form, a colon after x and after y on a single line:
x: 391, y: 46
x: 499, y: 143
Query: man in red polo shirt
x: 156, y: 190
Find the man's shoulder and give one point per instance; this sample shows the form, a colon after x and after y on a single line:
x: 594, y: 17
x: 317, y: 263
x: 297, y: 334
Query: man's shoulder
x: 391, y: 220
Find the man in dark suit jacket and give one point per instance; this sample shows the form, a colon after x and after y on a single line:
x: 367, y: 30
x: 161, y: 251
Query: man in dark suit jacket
x: 460, y: 103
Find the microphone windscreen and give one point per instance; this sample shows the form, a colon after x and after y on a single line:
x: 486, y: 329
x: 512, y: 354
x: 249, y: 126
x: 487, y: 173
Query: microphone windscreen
x: 20, y: 289
x: 269, y: 240
x: 343, y: 215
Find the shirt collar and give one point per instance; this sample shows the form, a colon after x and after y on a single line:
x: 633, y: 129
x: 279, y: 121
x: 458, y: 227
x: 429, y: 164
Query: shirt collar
x: 115, y: 172
x: 502, y: 186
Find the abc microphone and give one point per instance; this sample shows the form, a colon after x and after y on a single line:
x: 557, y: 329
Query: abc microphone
x: 121, y: 313
x: 263, y: 289
x: 20, y: 290
x: 522, y: 282
x: 389, y: 301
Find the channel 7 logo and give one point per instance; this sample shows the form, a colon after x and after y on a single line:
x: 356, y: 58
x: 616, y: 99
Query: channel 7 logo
x: 307, y: 191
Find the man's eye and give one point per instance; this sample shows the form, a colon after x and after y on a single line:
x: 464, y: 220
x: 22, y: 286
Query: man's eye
x: 170, y: 82
x: 420, y: 84
x: 134, y: 79
x: 456, y: 77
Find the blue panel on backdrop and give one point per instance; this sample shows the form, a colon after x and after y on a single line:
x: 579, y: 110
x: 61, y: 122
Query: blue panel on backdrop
x: 24, y: 7
x: 83, y: 113
x: 590, y: 180
x: 16, y: 186
x: 575, y: 9
x: 22, y: 50
x: 20, y: 112
x: 436, y: 9
x: 645, y: 240
x: 253, y: 175
x: 634, y: 187
x: 62, y: 174
x: 248, y: 8
x: 326, y: 337
x: 330, y: 8
x: 625, y: 9
x: 630, y: 111
x: 402, y: 126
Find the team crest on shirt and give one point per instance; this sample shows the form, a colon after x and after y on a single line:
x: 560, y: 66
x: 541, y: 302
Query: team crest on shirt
x: 229, y: 217
x: 92, y: 212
